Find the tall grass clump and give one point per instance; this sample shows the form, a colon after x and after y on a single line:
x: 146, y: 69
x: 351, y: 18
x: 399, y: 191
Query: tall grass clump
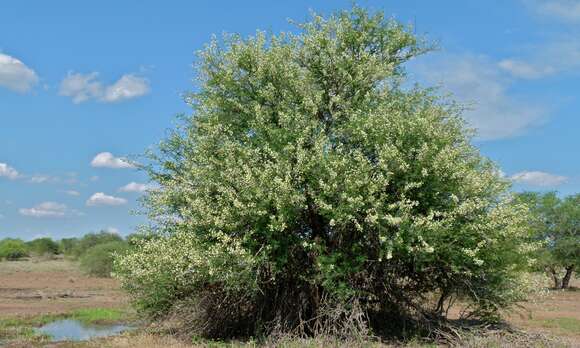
x: 313, y: 192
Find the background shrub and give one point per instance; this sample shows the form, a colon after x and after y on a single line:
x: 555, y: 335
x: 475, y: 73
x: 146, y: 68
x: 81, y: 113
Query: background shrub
x: 66, y: 245
x: 13, y: 249
x: 98, y: 260
x: 92, y: 239
x: 43, y: 246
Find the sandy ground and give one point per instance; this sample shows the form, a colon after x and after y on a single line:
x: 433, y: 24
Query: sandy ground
x: 557, y: 313
x: 29, y: 288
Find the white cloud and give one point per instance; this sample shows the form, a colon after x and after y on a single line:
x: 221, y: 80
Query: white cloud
x: 537, y: 178
x: 46, y: 209
x: 8, y: 172
x: 473, y: 79
x: 135, y: 187
x: 83, y: 87
x: 72, y: 192
x: 39, y: 179
x: 42, y: 179
x: 555, y: 57
x: 112, y: 230
x: 107, y: 160
x: 567, y: 10
x: 100, y: 198
x: 127, y: 87
x: 15, y: 75
x: 521, y: 69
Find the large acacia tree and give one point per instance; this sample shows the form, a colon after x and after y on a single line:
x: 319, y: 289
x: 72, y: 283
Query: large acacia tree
x: 309, y: 185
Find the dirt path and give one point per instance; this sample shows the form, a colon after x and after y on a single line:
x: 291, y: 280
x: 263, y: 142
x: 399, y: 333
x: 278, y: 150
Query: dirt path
x: 56, y: 286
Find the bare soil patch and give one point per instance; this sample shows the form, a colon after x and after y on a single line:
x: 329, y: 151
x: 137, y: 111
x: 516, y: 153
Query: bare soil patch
x: 34, y: 287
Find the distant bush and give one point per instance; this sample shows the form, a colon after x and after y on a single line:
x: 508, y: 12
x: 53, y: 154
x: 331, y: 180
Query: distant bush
x: 43, y: 246
x: 98, y: 260
x: 13, y: 249
x: 66, y: 245
x: 92, y: 239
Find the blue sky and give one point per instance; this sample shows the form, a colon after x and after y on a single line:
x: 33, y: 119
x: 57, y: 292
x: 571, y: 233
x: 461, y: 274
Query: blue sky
x: 84, y: 84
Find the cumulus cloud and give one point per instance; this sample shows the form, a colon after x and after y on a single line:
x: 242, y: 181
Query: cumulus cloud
x: 16, y: 76
x: 537, y: 178
x: 8, y: 172
x: 477, y: 80
x: 100, y: 198
x: 46, y: 209
x: 127, y: 87
x: 82, y: 87
x: 107, y: 160
x: 135, y: 187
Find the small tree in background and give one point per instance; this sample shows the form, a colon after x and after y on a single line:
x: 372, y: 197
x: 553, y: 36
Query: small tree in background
x: 43, y: 246
x: 91, y: 239
x: 310, y: 192
x: 13, y: 249
x: 66, y: 245
x: 556, y: 222
x: 98, y: 260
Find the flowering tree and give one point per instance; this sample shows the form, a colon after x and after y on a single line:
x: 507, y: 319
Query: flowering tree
x: 308, y: 182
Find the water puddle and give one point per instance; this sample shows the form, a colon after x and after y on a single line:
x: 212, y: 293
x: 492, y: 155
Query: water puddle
x: 74, y: 330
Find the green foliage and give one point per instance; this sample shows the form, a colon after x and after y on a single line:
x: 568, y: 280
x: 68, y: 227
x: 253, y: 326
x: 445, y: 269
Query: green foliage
x: 43, y: 246
x: 13, y: 249
x: 309, y: 183
x: 139, y: 237
x: 90, y: 240
x: 98, y: 260
x: 66, y: 245
x: 556, y: 223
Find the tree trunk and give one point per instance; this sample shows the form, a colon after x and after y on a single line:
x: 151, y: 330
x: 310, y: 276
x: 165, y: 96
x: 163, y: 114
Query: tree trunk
x: 554, y: 275
x: 566, y: 279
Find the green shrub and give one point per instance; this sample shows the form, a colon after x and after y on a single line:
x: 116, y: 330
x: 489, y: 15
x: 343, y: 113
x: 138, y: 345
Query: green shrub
x: 43, y: 246
x: 92, y: 239
x: 13, y: 249
x: 66, y: 245
x: 310, y: 192
x: 98, y: 260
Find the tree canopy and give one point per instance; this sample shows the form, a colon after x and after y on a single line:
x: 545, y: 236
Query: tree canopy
x: 556, y: 222
x: 310, y: 181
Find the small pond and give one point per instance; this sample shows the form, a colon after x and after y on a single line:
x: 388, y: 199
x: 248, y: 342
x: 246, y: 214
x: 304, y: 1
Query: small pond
x: 74, y: 330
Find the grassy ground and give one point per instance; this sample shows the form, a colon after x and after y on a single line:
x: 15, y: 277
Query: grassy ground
x: 36, y: 292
